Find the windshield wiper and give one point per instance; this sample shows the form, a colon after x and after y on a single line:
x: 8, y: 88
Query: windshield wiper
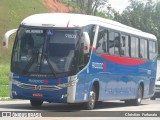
x: 49, y: 64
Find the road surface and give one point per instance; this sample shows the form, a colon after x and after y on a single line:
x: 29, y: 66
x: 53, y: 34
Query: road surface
x: 24, y: 105
x: 70, y: 111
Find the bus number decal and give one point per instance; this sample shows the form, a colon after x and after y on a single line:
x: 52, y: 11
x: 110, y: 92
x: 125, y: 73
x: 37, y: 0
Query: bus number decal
x: 97, y: 65
x: 71, y: 36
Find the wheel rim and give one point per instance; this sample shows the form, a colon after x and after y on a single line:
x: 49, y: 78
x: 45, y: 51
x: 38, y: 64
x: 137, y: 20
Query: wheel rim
x: 139, y: 95
x: 92, y: 99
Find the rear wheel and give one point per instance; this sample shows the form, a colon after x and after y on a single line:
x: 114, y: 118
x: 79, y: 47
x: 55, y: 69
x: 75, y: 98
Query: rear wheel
x: 36, y: 103
x: 92, y: 99
x: 153, y: 98
x: 128, y: 102
x: 138, y: 100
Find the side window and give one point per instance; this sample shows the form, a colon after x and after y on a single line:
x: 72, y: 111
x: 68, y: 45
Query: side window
x: 101, y: 46
x: 134, y: 47
x: 114, y: 43
x: 111, y: 43
x: 124, y: 49
x: 91, y: 31
x: 143, y: 49
x: 152, y: 49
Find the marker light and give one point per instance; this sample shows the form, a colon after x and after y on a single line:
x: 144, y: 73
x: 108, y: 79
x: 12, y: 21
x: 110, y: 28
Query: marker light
x: 4, y: 43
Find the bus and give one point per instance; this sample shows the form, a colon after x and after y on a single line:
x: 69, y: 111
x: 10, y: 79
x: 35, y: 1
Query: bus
x: 74, y: 58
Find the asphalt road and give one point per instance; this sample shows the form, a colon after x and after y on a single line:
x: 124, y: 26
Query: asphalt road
x: 73, y: 110
x: 24, y: 105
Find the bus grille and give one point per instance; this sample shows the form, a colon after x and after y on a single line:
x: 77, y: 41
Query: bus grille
x: 44, y: 87
x: 25, y: 86
x: 39, y: 87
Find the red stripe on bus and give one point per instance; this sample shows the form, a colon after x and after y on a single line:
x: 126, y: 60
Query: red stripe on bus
x: 104, y: 66
x: 123, y: 60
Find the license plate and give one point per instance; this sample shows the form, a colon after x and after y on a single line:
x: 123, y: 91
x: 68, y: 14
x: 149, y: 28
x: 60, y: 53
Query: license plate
x: 37, y: 94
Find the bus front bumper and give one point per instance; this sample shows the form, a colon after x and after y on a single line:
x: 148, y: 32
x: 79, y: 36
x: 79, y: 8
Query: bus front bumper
x: 61, y: 93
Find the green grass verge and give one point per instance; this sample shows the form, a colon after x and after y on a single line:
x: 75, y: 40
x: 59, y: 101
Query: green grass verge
x: 4, y: 74
x: 4, y: 80
x: 4, y: 91
x: 12, y: 12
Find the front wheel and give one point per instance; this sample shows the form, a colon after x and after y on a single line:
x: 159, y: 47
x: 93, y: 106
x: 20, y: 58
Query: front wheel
x: 92, y: 99
x: 36, y: 103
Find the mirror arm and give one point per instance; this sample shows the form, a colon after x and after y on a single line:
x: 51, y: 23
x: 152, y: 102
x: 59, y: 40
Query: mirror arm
x: 6, y: 37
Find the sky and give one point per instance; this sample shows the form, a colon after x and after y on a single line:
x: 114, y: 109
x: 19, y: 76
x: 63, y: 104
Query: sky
x: 119, y: 5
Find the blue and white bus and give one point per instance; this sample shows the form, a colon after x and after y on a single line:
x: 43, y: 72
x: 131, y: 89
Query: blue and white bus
x: 73, y: 58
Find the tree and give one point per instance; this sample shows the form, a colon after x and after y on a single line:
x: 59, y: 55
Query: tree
x: 142, y: 15
x: 91, y: 7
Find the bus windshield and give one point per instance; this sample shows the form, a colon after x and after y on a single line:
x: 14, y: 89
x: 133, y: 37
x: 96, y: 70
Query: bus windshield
x: 49, y: 52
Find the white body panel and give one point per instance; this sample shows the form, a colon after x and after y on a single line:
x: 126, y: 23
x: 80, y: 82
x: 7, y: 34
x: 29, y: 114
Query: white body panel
x: 67, y: 20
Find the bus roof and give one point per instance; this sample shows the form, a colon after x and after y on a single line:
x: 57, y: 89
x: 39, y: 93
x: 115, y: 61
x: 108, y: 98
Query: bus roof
x: 68, y: 20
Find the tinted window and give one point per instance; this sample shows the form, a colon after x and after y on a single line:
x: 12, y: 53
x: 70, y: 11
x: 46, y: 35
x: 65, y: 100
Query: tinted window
x: 45, y: 51
x: 111, y: 43
x: 152, y: 49
x: 114, y: 43
x: 101, y: 46
x: 134, y: 47
x: 124, y: 51
x: 143, y: 49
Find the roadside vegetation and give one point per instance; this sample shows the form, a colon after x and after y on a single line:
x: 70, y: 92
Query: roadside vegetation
x: 12, y: 12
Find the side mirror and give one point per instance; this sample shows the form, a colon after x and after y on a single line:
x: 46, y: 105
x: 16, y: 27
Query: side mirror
x: 86, y: 42
x: 6, y: 37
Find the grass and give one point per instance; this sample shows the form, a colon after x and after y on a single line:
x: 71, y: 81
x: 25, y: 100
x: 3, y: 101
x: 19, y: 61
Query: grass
x: 12, y: 12
x: 4, y: 90
x: 4, y: 74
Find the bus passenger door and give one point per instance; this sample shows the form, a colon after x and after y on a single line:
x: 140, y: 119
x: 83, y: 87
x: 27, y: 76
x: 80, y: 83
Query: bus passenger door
x: 83, y: 59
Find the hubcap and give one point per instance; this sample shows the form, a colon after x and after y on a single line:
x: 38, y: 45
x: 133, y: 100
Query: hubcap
x: 92, y: 99
x: 139, y: 95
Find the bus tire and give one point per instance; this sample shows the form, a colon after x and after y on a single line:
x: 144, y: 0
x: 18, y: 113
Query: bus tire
x: 128, y: 102
x: 138, y: 100
x: 92, y: 100
x: 36, y: 103
x: 153, y: 98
